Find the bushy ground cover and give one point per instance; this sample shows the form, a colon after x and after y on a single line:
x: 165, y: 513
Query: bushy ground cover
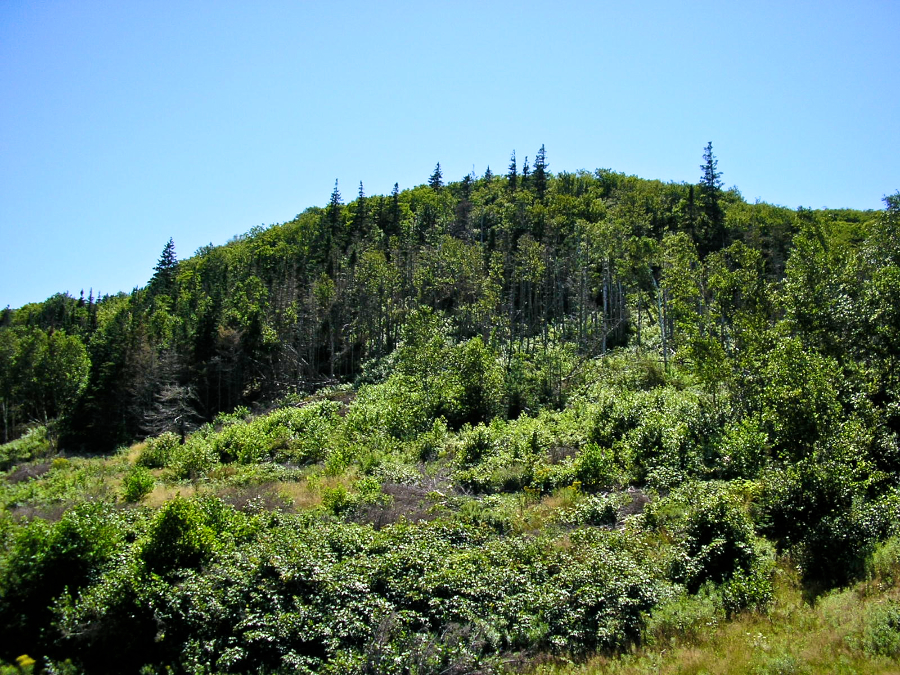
x: 412, y: 524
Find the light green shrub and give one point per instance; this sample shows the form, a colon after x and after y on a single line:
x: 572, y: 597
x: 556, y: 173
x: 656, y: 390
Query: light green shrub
x: 138, y: 484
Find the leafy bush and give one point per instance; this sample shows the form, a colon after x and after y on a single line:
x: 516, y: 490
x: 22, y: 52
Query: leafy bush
x: 194, y: 459
x: 32, y: 445
x: 138, y: 484
x: 880, y: 632
x: 686, y: 619
x: 715, y: 542
x: 158, y: 451
x: 821, y: 511
x: 596, y: 467
x: 178, y: 537
x: 44, y: 561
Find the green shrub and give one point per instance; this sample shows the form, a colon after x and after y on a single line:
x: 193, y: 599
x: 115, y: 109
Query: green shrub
x: 821, y: 510
x: 178, y: 537
x: 138, y: 484
x: 46, y: 560
x: 194, y: 459
x: 158, y: 451
x: 880, y: 632
x: 597, y: 510
x: 32, y: 445
x: 685, y: 620
x: 239, y: 414
x: 715, y: 542
x: 884, y: 562
x: 596, y: 467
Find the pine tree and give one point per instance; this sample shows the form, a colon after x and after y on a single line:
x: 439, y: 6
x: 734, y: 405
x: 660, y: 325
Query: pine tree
x: 540, y: 173
x: 164, y: 272
x: 436, y: 182
x: 334, y: 206
x: 512, y: 174
x: 361, y: 214
x: 710, y: 199
x: 488, y: 175
x: 525, y: 174
x: 394, y: 219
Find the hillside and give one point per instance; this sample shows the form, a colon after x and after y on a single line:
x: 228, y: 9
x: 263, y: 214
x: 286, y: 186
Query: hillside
x: 495, y: 424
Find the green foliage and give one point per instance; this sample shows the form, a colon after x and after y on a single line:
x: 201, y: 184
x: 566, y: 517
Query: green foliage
x: 596, y: 467
x: 158, y: 451
x: 880, y: 634
x: 686, y: 619
x: 715, y: 542
x: 138, y: 484
x: 178, y: 537
x: 534, y: 363
x: 45, y: 560
x: 32, y: 445
x: 820, y: 510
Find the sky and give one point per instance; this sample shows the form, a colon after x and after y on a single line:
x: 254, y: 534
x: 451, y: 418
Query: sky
x: 123, y: 124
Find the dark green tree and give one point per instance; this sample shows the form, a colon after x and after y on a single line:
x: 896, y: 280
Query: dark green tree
x: 436, y: 181
x: 710, y: 198
x: 526, y: 174
x: 334, y: 206
x: 540, y: 173
x: 512, y: 174
x: 164, y: 271
x: 394, y: 217
x: 361, y: 213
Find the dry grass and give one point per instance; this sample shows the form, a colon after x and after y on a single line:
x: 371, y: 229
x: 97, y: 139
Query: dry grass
x: 134, y: 452
x: 307, y: 493
x: 162, y: 493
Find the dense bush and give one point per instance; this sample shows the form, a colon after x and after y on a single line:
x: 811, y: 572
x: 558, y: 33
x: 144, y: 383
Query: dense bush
x: 138, y: 484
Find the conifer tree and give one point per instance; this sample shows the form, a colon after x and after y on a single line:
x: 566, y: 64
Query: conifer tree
x: 164, y: 271
x: 488, y: 175
x: 525, y: 173
x: 512, y: 174
x: 710, y: 199
x: 334, y: 206
x: 360, y: 215
x: 436, y: 182
x: 540, y: 173
x: 394, y: 219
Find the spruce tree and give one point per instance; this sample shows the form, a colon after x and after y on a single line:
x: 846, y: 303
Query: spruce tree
x: 488, y: 175
x: 334, y: 206
x: 512, y: 174
x: 360, y: 214
x: 540, y: 173
x: 710, y: 199
x: 525, y: 174
x: 394, y: 219
x: 164, y: 271
x: 436, y: 182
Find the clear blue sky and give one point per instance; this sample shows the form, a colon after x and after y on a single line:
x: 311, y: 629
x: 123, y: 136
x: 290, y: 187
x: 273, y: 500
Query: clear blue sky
x: 125, y: 123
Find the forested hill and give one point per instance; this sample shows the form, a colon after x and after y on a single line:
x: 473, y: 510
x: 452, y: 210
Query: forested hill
x: 496, y: 425
x: 528, y: 260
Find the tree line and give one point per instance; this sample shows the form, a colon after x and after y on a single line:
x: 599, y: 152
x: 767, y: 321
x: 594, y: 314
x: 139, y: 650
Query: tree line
x: 524, y: 260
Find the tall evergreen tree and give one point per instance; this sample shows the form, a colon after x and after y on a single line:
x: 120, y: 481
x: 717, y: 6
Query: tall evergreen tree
x: 334, y: 206
x: 164, y: 271
x: 436, y: 182
x: 512, y: 174
x: 525, y: 174
x: 540, y: 173
x: 394, y: 218
x: 360, y: 214
x: 488, y: 175
x: 710, y: 199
